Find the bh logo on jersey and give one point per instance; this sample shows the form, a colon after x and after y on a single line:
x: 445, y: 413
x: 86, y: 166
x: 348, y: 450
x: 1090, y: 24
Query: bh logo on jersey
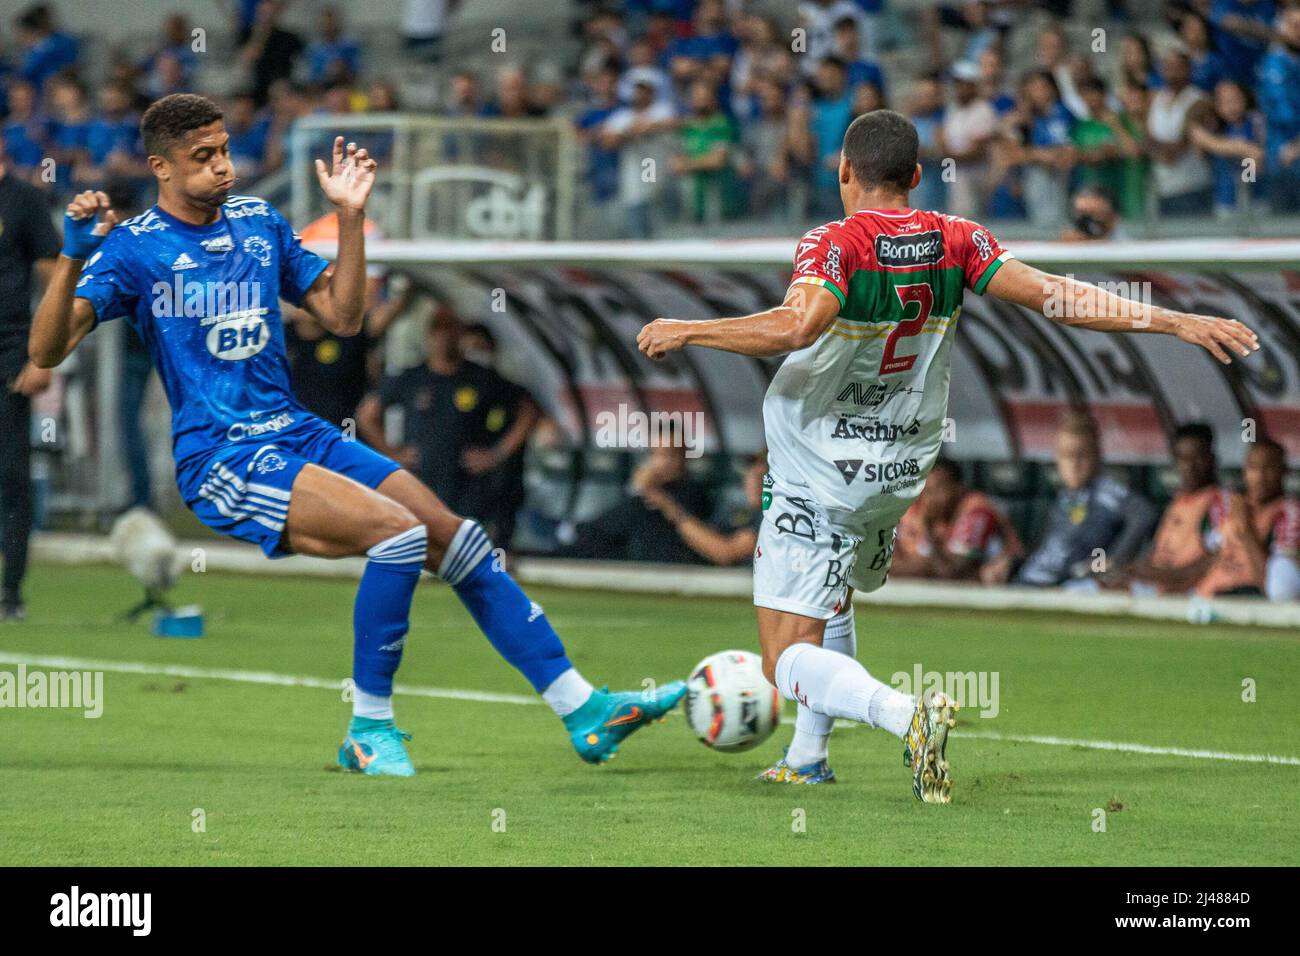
x: 238, y: 336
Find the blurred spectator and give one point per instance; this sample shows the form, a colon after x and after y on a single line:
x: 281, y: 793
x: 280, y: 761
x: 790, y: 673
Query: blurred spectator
x: 993, y: 81
x: 331, y: 56
x: 847, y: 46
x: 925, y: 110
x: 269, y: 52
x: 166, y: 76
x: 69, y: 127
x: 1137, y: 65
x: 1135, y: 105
x: 711, y: 43
x: 1179, y: 556
x: 1279, y: 101
x: 731, y: 537
x: 1093, y: 217
x: 1180, y: 172
x: 974, y: 18
x: 1048, y: 154
x: 113, y: 139
x: 250, y: 135
x: 496, y: 455
x: 643, y: 66
x: 1258, y: 538
x: 442, y: 409
x: 818, y: 19
x: 706, y: 141
x: 601, y: 170
x: 954, y: 533
x: 26, y: 133
x: 1242, y: 29
x: 46, y: 49
x: 765, y: 157
x: 831, y: 114
x: 423, y: 24
x: 638, y: 131
x: 760, y: 58
x: 1103, y: 143
x: 513, y: 99
x: 969, y: 125
x: 1095, y: 523
x: 1208, y: 65
x: 1234, y: 143
x: 637, y: 528
x: 1054, y: 57
x: 176, y: 44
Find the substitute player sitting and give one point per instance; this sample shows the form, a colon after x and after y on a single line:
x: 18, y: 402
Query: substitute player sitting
x: 199, y: 277
x: 854, y: 422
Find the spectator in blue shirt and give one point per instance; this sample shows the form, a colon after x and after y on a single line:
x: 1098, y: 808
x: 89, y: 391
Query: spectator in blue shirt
x: 26, y: 133
x: 848, y: 42
x: 1237, y: 135
x: 113, y: 140
x: 47, y: 49
x: 710, y: 41
x: 1278, y: 89
x: 831, y: 114
x: 177, y: 43
x: 332, y: 57
x: 1208, y: 65
x: 926, y: 113
x: 250, y: 134
x: 1242, y: 29
x: 70, y: 119
x: 602, y: 163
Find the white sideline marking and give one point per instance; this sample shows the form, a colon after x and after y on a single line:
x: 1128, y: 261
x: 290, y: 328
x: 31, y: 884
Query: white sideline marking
x: 1131, y: 748
x: 449, y: 693
x: 251, y: 677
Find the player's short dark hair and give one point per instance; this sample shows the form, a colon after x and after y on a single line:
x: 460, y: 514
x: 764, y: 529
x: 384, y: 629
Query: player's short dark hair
x: 882, y: 147
x: 166, y: 122
x: 1200, y: 431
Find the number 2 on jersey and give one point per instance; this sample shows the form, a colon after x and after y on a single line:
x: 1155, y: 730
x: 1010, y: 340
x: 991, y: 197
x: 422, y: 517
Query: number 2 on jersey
x: 923, y: 296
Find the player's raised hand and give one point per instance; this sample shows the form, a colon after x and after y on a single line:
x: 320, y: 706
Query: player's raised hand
x: 348, y: 181
x: 661, y: 337
x: 1217, y: 336
x: 86, y: 221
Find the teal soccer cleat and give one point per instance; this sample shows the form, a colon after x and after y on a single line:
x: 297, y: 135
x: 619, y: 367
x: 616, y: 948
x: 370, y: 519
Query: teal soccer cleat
x: 598, y: 726
x: 375, y: 747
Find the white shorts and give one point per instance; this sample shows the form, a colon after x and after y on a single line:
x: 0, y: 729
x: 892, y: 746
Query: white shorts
x: 805, y: 563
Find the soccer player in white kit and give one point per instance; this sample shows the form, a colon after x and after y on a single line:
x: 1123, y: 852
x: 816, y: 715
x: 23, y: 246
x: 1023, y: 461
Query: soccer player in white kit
x: 854, y: 420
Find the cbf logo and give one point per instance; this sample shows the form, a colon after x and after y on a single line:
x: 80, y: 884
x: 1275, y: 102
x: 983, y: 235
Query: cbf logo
x: 259, y: 249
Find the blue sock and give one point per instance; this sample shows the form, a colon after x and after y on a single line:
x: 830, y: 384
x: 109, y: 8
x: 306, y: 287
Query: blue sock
x: 380, y: 618
x: 515, y: 625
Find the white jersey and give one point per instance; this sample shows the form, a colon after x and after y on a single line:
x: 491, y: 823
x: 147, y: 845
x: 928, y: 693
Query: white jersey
x: 858, y: 418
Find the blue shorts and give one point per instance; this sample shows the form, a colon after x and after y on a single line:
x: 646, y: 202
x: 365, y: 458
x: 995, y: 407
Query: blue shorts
x: 244, y: 489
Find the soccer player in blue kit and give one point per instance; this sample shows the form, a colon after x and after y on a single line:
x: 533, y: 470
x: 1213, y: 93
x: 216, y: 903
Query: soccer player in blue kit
x: 199, y: 276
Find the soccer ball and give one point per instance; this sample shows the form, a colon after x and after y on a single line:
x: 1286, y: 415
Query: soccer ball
x: 729, y: 703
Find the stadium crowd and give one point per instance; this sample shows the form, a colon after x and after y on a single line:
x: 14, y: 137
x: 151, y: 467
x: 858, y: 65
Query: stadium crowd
x: 742, y: 109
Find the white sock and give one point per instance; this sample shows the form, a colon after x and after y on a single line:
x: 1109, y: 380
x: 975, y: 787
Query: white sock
x: 839, y: 686
x: 567, y: 692
x: 812, y: 731
x: 370, y: 705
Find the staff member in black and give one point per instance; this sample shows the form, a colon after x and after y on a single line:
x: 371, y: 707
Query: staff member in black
x: 28, y: 241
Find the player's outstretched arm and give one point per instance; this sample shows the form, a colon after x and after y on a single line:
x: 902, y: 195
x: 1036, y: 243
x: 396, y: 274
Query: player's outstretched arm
x: 338, y: 298
x: 798, y: 322
x: 1083, y: 305
x: 61, y: 319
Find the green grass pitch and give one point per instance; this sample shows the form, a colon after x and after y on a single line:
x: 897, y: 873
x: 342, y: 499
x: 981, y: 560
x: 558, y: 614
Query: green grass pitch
x: 498, y: 783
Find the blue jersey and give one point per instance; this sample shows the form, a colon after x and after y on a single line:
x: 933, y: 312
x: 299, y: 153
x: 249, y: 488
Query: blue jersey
x: 205, y: 301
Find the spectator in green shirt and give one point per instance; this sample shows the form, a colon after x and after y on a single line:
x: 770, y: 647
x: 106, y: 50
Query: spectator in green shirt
x: 706, y: 139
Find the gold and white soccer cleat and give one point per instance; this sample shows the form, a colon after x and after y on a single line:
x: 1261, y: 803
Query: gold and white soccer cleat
x: 924, y: 744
